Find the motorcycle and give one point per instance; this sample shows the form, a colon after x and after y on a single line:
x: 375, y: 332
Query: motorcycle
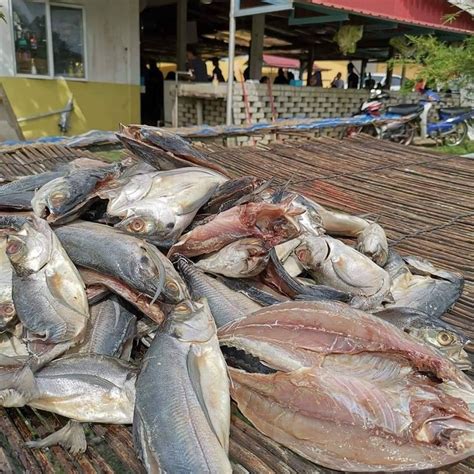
x: 401, y: 119
x: 453, y: 125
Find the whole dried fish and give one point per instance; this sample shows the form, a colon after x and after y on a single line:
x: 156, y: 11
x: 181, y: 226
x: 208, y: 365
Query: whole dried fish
x: 159, y: 206
x: 184, y: 374
x: 331, y: 262
x: 48, y: 292
x: 132, y: 260
x: 226, y: 305
x: 163, y: 150
x: 64, y: 198
x: 84, y: 387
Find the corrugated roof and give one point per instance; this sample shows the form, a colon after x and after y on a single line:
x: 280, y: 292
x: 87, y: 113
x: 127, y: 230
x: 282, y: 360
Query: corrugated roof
x: 424, y: 13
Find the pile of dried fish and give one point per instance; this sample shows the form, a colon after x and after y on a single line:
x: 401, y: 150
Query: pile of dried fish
x: 154, y: 291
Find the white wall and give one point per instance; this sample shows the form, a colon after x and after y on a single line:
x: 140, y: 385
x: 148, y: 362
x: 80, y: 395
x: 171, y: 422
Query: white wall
x: 112, y: 37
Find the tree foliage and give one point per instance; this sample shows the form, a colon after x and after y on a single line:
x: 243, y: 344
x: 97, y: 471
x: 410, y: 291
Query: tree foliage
x: 440, y: 63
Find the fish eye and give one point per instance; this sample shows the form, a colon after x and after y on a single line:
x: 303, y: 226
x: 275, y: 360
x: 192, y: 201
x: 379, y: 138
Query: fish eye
x: 137, y: 225
x: 7, y: 310
x: 182, y: 308
x: 14, y: 247
x: 445, y: 338
x: 170, y: 225
x: 57, y: 197
x: 172, y: 287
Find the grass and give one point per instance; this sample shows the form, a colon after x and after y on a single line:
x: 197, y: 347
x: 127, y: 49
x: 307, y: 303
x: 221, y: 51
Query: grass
x: 465, y: 148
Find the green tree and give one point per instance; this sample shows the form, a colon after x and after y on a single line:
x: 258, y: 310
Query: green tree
x: 440, y: 63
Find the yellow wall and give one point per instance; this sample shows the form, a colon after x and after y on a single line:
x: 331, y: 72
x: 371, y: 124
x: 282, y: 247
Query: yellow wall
x: 97, y: 105
x: 411, y: 70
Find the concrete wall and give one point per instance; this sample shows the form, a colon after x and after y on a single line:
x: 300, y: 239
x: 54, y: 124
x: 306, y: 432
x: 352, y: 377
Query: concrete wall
x: 110, y: 94
x: 289, y: 102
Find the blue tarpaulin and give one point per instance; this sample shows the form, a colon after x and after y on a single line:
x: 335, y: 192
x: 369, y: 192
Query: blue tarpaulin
x: 97, y: 137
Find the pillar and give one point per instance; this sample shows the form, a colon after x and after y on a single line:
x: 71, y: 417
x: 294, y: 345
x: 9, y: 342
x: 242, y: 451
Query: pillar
x: 181, y: 24
x: 310, y: 65
x: 363, y: 68
x: 256, y: 46
x: 388, y: 78
x: 404, y: 74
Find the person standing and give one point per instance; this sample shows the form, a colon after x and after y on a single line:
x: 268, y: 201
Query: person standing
x: 352, y: 77
x: 281, y: 78
x: 337, y: 82
x: 196, y: 66
x: 216, y: 72
x: 316, y: 80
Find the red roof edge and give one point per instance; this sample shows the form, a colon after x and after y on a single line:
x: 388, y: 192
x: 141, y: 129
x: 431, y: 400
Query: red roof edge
x: 423, y: 13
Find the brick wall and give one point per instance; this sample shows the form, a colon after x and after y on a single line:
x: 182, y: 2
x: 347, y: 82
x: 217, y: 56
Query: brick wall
x: 289, y: 102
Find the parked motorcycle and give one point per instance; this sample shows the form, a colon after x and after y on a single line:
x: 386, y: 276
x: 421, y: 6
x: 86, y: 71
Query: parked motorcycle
x: 406, y: 120
x: 453, y: 124
x: 401, y: 119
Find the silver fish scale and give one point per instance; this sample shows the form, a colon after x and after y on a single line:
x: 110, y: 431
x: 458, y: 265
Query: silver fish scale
x: 178, y: 432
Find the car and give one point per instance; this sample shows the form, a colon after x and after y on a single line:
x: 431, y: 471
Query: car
x: 380, y: 78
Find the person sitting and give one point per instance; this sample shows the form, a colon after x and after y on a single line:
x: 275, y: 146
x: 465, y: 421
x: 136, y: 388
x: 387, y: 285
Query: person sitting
x: 264, y: 80
x: 281, y: 78
x: 216, y: 72
x: 337, y: 82
x: 196, y: 66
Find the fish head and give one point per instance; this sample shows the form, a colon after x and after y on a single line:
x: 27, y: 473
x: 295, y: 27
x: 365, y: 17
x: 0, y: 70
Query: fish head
x: 29, y: 249
x: 191, y: 322
x: 255, y: 256
x: 445, y: 338
x: 243, y: 258
x: 278, y: 222
x: 156, y: 223
x: 51, y: 199
x: 312, y: 251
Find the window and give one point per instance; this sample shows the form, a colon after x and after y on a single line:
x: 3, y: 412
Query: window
x: 29, y: 29
x: 48, y: 38
x: 68, y: 41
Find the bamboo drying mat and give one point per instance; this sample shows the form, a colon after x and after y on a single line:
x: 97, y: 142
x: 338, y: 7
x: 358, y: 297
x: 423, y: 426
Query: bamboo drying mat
x: 425, y: 201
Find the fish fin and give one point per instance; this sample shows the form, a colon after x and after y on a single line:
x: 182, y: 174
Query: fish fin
x: 281, y: 190
x: 209, y: 389
x: 160, y: 284
x: 321, y: 293
x: 17, y: 385
x: 423, y: 267
x: 252, y: 196
x: 55, y: 288
x: 71, y: 436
